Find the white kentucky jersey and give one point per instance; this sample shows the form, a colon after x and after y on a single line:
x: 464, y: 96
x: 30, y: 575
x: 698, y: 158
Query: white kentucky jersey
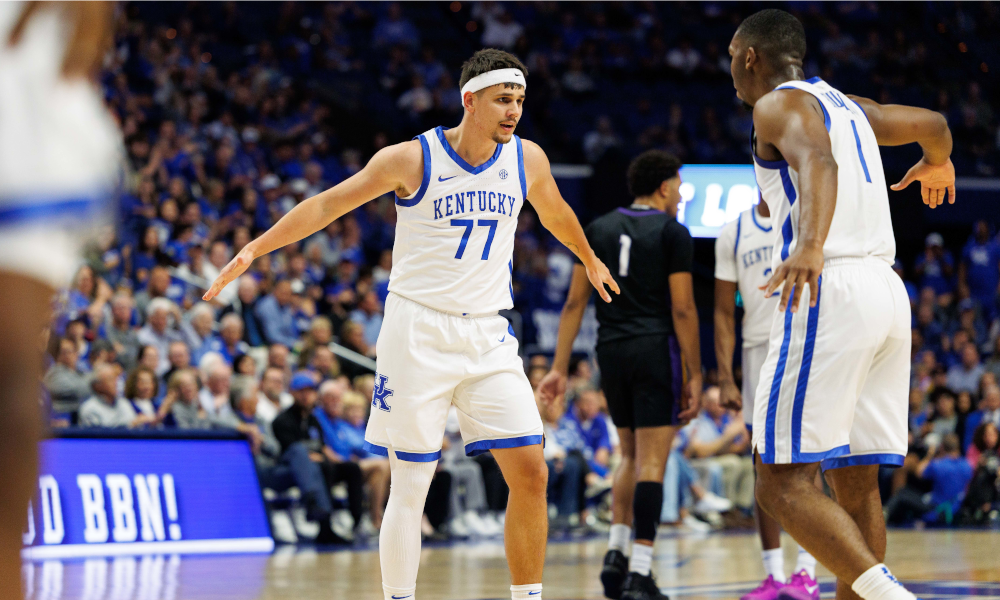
x: 743, y: 255
x: 455, y: 234
x: 861, y: 225
x: 60, y: 149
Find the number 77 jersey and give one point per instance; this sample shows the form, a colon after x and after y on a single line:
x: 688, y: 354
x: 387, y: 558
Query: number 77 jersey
x: 861, y: 226
x: 455, y: 235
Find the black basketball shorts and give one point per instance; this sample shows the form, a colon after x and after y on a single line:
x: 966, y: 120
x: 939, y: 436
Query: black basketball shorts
x: 641, y: 378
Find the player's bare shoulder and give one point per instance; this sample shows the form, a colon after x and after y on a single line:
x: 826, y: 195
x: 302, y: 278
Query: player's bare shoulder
x: 774, y: 109
x: 402, y: 163
x: 536, y: 162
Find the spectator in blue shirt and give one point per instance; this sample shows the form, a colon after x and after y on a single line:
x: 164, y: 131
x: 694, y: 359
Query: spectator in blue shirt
x: 964, y: 377
x: 343, y: 426
x: 198, y: 328
x: 969, y: 322
x: 593, y: 429
x: 949, y: 475
x: 979, y: 271
x: 935, y: 266
x: 229, y: 342
x: 369, y: 315
x: 277, y: 315
x: 718, y: 446
x: 928, y: 326
x: 988, y: 412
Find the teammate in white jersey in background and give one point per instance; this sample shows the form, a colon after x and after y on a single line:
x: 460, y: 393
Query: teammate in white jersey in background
x: 459, y: 192
x: 60, y: 153
x: 834, y: 386
x: 743, y: 265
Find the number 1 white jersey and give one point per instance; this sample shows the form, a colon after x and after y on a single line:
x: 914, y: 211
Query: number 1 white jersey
x: 861, y: 225
x: 455, y: 235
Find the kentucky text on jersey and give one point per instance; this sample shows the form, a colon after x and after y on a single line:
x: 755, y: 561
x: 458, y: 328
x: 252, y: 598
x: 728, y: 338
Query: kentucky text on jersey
x: 455, y: 235
x: 757, y: 255
x: 467, y: 202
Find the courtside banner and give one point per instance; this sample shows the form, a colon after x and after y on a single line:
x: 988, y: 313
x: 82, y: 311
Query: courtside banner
x: 713, y: 195
x: 106, y: 496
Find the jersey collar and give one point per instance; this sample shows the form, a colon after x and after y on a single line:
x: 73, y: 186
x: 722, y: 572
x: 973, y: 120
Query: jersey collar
x: 461, y: 161
x: 639, y: 210
x: 753, y: 215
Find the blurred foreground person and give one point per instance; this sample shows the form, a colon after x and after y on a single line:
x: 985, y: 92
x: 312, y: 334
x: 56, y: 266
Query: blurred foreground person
x: 58, y: 157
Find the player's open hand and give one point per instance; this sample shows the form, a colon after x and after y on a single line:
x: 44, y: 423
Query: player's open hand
x: 730, y: 396
x: 234, y: 269
x: 934, y: 180
x: 552, y: 386
x: 802, y: 267
x: 600, y: 275
x: 690, y: 399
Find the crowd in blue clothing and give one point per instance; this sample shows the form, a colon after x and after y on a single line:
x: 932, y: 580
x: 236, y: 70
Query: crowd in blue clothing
x: 233, y: 113
x: 954, y: 396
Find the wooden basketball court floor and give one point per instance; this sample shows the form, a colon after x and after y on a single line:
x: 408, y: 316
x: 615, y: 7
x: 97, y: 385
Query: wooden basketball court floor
x: 935, y: 564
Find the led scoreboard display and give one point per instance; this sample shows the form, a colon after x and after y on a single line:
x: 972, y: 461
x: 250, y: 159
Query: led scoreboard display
x: 132, y: 495
x: 713, y: 195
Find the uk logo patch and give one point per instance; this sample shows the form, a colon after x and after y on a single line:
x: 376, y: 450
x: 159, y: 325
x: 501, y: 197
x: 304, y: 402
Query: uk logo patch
x: 381, y: 392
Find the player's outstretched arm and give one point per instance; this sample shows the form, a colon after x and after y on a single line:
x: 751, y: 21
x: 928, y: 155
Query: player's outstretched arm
x: 392, y: 168
x: 558, y: 217
x: 791, y: 121
x: 896, y: 125
x: 554, y: 383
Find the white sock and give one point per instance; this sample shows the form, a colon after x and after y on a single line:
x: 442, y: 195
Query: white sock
x: 399, y: 538
x: 806, y: 562
x: 619, y: 538
x: 392, y: 593
x: 877, y: 583
x: 774, y: 563
x: 641, y: 560
x: 530, y: 591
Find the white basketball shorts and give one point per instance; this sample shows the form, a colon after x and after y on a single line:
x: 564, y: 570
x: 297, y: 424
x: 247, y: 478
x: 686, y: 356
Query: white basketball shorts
x: 41, y: 251
x: 429, y: 360
x: 753, y: 362
x: 835, y: 383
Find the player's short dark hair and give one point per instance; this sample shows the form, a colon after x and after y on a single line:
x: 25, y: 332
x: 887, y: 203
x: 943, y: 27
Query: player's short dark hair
x: 649, y: 170
x: 490, y: 59
x: 774, y: 33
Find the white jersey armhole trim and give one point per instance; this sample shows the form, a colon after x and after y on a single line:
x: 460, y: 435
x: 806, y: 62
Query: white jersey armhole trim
x: 415, y: 198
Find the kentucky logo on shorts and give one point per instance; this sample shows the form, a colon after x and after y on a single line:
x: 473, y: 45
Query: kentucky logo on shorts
x: 381, y: 393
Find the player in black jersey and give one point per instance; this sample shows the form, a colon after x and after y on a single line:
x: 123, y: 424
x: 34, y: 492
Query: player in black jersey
x: 646, y: 339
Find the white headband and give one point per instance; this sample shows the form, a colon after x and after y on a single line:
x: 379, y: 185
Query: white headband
x: 491, y: 78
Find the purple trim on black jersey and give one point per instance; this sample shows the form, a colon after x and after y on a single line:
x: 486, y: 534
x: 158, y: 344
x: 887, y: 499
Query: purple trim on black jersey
x: 640, y: 213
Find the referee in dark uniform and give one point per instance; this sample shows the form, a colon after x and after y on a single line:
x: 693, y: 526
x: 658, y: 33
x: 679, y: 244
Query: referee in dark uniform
x: 647, y: 339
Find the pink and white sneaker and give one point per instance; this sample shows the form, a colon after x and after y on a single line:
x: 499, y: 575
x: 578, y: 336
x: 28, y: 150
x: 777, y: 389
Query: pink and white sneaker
x: 800, y: 586
x: 767, y: 590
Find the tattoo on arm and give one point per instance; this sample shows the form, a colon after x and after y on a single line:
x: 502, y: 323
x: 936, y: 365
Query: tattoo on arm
x: 573, y: 247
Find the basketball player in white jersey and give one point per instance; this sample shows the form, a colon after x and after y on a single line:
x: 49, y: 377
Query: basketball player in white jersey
x: 833, y: 389
x: 59, y: 151
x: 742, y: 266
x: 458, y: 192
